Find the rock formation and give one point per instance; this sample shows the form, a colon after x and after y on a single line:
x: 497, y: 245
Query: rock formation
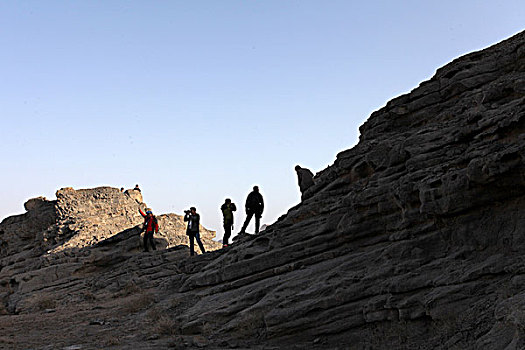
x: 53, y: 232
x: 80, y: 218
x: 413, y: 239
x: 135, y: 194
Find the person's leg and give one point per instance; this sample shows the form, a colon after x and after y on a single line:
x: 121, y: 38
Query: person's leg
x: 145, y: 241
x: 257, y: 222
x: 227, y: 232
x: 198, y: 238
x: 249, y: 215
x: 152, y: 241
x: 192, y: 245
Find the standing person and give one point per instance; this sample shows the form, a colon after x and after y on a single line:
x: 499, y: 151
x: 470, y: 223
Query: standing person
x: 305, y: 178
x: 193, y: 229
x: 227, y: 213
x: 254, y: 206
x: 150, y: 225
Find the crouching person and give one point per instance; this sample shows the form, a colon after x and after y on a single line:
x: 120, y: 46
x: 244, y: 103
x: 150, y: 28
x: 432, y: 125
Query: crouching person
x: 193, y: 229
x: 150, y: 225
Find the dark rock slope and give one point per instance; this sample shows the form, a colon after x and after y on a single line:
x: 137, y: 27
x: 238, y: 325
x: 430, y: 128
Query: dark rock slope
x: 413, y: 239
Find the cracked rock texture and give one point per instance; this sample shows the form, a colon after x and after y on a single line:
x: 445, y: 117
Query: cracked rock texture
x: 412, y: 239
x: 55, y: 239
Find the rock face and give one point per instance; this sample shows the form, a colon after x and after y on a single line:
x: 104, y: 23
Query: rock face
x: 62, y: 230
x: 135, y: 194
x: 80, y: 218
x: 23, y: 236
x: 413, y: 239
x: 86, y: 217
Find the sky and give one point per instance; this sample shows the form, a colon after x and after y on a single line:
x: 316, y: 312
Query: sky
x: 199, y: 100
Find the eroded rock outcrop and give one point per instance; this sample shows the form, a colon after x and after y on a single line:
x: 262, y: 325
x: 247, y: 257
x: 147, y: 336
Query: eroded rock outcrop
x: 413, y: 239
x: 88, y: 216
x: 55, y: 239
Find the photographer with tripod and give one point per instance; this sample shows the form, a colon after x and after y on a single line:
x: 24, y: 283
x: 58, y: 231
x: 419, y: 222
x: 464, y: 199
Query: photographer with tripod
x: 192, y: 231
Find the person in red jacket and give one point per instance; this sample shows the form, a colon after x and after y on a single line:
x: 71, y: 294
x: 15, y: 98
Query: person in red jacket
x: 150, y: 225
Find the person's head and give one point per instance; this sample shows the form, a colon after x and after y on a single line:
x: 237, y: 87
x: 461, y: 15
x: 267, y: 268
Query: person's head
x: 227, y: 201
x: 149, y: 213
x: 193, y: 210
x: 137, y: 186
x: 256, y: 188
x: 297, y: 168
x: 122, y: 189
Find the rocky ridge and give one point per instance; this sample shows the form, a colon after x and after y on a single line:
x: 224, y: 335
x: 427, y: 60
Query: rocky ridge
x: 412, y: 239
x: 79, y: 225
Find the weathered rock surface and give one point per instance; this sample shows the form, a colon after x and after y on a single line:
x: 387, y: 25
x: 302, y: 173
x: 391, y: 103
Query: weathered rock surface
x: 413, y: 239
x: 135, y: 194
x: 54, y: 236
x: 92, y: 215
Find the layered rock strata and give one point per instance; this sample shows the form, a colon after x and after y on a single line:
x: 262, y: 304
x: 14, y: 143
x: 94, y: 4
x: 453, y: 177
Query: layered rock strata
x: 413, y: 239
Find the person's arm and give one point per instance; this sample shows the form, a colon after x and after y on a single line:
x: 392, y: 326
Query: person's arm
x: 186, y: 217
x: 141, y: 213
x: 156, y: 226
x: 234, y: 208
x: 262, y: 203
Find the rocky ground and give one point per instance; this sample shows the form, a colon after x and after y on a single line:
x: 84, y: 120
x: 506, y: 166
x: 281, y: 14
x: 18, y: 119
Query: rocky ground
x: 413, y: 239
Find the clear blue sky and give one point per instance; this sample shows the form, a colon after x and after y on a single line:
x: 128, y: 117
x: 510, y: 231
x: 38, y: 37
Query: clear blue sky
x: 197, y: 101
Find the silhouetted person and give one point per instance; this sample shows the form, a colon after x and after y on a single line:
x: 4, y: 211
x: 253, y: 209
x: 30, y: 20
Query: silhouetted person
x: 254, y: 206
x: 137, y: 188
x: 306, y: 179
x: 193, y: 229
x: 150, y: 225
x: 227, y: 214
